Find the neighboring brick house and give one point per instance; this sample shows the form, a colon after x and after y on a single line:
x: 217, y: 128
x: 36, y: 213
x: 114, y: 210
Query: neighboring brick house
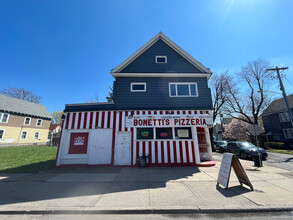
x: 22, y: 122
x: 161, y: 110
x: 276, y: 121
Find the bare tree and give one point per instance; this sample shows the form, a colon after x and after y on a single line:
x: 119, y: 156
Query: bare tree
x: 56, y: 117
x: 110, y: 95
x: 248, y: 97
x: 21, y: 93
x: 94, y: 100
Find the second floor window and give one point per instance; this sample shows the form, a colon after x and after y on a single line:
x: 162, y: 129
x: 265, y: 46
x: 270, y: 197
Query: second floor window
x: 138, y: 87
x: 183, y: 90
x: 4, y: 117
x: 288, y: 133
x: 27, y: 121
x: 284, y: 117
x: 39, y: 122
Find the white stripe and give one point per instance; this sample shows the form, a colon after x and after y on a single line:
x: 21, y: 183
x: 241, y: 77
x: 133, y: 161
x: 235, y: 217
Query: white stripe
x: 111, y: 121
x: 117, y: 121
x: 153, y: 152
x: 100, y: 120
x: 94, y: 120
x: 106, y: 120
x: 146, y: 148
x: 76, y: 120
x: 165, y: 152
x: 82, y: 120
x: 70, y: 120
x: 172, y: 151
x: 184, y: 152
x: 88, y: 120
x: 190, y: 152
x: 134, y: 146
x: 159, y: 152
x: 123, y: 122
x: 178, y: 152
x: 140, y: 148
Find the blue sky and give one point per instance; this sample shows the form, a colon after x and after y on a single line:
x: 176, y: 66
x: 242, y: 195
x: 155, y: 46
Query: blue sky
x: 64, y: 50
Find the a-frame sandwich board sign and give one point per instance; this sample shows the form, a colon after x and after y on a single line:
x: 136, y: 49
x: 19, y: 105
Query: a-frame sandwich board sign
x: 231, y: 160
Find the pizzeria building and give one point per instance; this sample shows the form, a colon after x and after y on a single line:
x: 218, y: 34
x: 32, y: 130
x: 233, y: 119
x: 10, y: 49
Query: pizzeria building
x: 160, y: 114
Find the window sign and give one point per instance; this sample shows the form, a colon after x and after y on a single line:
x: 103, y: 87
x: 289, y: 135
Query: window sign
x: 78, y: 143
x: 183, y: 133
x: 164, y: 133
x: 145, y: 133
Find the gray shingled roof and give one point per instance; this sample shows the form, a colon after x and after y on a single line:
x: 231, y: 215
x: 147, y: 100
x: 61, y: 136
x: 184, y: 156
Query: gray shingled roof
x: 278, y: 105
x: 10, y: 104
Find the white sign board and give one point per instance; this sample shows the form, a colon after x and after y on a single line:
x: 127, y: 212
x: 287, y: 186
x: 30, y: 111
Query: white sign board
x: 254, y: 130
x: 225, y: 169
x: 170, y: 121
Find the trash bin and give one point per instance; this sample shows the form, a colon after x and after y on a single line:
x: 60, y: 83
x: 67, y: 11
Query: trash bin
x: 142, y: 161
x: 257, y: 160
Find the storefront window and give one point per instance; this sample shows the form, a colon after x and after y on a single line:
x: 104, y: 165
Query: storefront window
x: 164, y: 133
x: 145, y: 133
x: 183, y: 133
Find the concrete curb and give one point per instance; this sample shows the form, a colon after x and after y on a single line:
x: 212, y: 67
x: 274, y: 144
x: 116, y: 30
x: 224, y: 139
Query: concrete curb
x: 146, y: 211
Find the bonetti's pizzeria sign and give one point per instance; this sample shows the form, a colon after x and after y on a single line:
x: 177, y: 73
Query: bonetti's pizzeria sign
x: 170, y: 121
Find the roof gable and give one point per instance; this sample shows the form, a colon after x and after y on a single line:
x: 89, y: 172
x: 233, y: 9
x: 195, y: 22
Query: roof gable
x: 161, y: 45
x: 278, y: 106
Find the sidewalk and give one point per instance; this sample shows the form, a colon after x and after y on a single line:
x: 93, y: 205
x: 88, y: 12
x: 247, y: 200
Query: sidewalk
x: 144, y: 190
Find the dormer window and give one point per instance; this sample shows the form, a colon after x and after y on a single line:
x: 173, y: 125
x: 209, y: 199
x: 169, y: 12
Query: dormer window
x: 161, y: 59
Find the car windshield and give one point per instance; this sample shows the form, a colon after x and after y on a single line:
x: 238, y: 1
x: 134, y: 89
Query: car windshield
x: 246, y: 145
x: 222, y: 142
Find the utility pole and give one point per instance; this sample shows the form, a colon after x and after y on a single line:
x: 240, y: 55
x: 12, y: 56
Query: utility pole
x: 277, y: 69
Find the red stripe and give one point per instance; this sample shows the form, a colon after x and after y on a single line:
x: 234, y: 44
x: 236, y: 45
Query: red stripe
x: 137, y: 112
x: 97, y: 120
x: 172, y: 112
x: 181, y: 151
x: 143, y: 112
x: 189, y: 112
x: 161, y: 112
x: 132, y: 113
x: 120, y: 121
x: 79, y: 121
x: 168, y: 150
x: 126, y: 114
x: 184, y: 112
x: 149, y: 112
x: 155, y: 112
x: 67, y: 120
x: 156, y: 152
x: 113, y: 137
x: 103, y: 119
x: 201, y: 112
x: 178, y: 112
x: 143, y: 148
x: 109, y: 119
x: 84, y: 122
x: 207, y: 112
x: 137, y: 150
x: 162, y: 151
x: 175, y: 153
x: 91, y: 120
x: 73, y: 120
x: 195, y: 112
x: 131, y: 140
x: 150, y: 152
x: 166, y: 112
x: 187, y: 151
x: 193, y: 153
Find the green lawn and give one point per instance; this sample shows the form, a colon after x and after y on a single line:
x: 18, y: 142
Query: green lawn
x: 281, y: 151
x: 27, y: 159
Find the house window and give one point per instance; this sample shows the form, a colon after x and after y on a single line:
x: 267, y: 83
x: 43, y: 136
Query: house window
x: 2, y: 134
x: 39, y: 122
x: 138, y: 87
x: 37, y: 135
x: 23, y: 135
x: 288, y: 133
x: 161, y: 59
x: 183, y: 90
x: 145, y: 133
x: 27, y: 121
x: 284, y: 117
x: 4, y: 117
x: 183, y: 133
x: 164, y: 133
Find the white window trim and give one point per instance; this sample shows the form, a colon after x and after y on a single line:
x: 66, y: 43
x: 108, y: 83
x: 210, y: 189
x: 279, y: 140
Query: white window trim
x: 40, y: 124
x: 25, y: 136
x: 288, y: 130
x: 138, y: 83
x: 2, y: 117
x: 35, y: 135
x: 3, y: 134
x: 183, y: 83
x: 161, y: 57
x: 284, y: 117
x: 25, y: 120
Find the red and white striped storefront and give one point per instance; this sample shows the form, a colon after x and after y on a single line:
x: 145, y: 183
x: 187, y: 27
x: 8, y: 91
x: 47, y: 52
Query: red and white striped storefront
x: 105, y: 138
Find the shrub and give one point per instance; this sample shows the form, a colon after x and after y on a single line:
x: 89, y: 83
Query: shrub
x: 274, y: 145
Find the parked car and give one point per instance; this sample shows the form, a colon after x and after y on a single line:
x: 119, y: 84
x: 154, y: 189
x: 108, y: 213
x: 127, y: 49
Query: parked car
x: 220, y: 145
x: 245, y: 150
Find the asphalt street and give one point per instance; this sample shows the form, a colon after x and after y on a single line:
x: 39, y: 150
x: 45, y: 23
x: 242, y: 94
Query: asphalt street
x: 283, y: 161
